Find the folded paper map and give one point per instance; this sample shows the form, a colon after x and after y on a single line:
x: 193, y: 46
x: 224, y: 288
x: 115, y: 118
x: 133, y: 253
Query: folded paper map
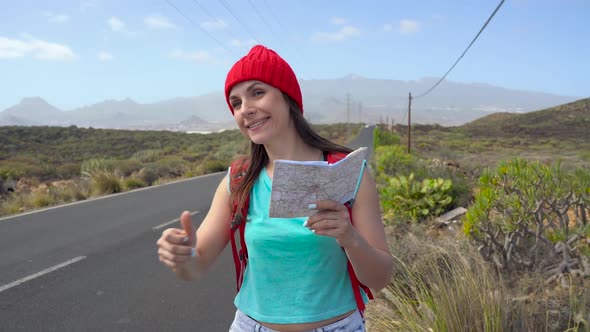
x: 296, y: 184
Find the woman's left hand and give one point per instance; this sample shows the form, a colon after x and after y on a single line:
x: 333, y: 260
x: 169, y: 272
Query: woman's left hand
x: 332, y: 219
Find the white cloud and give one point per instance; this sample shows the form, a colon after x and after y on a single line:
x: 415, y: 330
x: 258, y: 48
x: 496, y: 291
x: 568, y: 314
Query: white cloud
x: 13, y: 48
x: 116, y: 24
x: 104, y: 56
x: 196, y: 56
x: 56, y: 18
x: 217, y: 24
x: 387, y: 27
x: 52, y: 51
x: 159, y: 22
x: 338, y: 20
x: 40, y: 49
x: 345, y: 33
x: 120, y: 27
x: 408, y: 27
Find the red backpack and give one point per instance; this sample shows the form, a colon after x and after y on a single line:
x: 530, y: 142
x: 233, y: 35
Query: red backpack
x: 238, y: 226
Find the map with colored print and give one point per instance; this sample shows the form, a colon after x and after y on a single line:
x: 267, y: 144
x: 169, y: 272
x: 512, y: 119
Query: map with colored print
x: 296, y: 184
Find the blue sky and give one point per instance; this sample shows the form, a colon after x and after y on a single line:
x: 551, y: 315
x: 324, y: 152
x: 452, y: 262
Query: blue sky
x: 76, y: 53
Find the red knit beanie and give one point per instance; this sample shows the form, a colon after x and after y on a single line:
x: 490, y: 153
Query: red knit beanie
x: 267, y: 66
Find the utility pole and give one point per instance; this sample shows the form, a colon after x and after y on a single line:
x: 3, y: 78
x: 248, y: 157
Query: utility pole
x: 360, y: 111
x: 409, y: 121
x: 348, y: 115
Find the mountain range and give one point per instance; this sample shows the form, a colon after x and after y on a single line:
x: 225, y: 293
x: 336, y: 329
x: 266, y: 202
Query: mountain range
x: 349, y: 99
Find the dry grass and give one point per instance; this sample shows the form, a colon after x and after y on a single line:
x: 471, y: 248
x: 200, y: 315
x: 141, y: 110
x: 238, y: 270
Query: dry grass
x: 441, y: 283
x: 105, y: 183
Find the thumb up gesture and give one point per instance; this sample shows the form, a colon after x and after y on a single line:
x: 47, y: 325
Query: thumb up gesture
x: 176, y: 246
x: 188, y: 228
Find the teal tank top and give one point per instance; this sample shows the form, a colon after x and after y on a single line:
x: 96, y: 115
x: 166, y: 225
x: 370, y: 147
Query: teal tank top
x: 293, y: 276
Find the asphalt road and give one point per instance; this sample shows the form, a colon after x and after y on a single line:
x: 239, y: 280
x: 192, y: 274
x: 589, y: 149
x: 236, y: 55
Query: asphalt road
x: 92, y: 265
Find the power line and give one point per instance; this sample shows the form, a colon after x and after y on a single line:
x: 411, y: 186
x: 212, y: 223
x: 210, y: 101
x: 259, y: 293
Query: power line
x: 211, y: 16
x: 293, y: 50
x: 203, y: 9
x: 473, y: 41
x: 238, y: 20
x: 200, y: 27
x: 274, y: 16
x: 264, y: 20
x: 297, y: 52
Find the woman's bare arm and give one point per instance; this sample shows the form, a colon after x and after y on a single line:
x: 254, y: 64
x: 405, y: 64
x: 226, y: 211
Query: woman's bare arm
x: 189, y: 260
x: 369, y: 254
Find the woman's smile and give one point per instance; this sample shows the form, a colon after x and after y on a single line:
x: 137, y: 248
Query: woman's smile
x: 257, y: 124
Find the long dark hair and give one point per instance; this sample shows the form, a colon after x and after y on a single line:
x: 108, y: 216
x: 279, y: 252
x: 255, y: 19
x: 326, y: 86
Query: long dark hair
x: 259, y: 158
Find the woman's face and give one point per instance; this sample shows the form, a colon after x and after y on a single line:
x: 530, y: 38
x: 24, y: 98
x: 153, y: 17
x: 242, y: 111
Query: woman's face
x: 260, y: 110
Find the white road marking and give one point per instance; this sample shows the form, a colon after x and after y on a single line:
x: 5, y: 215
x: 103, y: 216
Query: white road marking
x: 171, y: 222
x: 38, y: 274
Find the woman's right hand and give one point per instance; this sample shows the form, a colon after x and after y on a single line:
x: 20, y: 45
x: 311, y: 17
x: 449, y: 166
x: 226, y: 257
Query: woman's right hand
x: 176, y: 247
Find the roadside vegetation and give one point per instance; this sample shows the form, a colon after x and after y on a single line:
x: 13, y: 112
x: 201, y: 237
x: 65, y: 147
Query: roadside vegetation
x: 488, y: 222
x: 45, y: 166
x: 517, y: 258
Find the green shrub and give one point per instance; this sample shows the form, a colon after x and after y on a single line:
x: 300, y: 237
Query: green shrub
x: 127, y: 167
x: 163, y: 180
x: 200, y: 148
x: 17, y: 170
x: 405, y: 199
x: 77, y: 191
x: 171, y: 166
x: 383, y: 137
x: 97, y: 165
x: 521, y: 216
x: 584, y: 155
x: 228, y: 151
x: 14, y: 204
x: 212, y: 166
x: 7, y: 172
x: 190, y: 173
x: 133, y: 183
x: 147, y: 156
x: 393, y: 160
x: 194, y: 157
x: 460, y: 191
x: 104, y: 183
x: 149, y: 174
x: 49, y: 171
x: 68, y: 170
x: 41, y: 199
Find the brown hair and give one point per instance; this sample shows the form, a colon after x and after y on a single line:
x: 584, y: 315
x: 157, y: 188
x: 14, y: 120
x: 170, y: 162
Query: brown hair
x: 258, y: 157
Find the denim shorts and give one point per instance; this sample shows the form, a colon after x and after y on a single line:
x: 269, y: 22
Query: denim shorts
x: 352, y: 323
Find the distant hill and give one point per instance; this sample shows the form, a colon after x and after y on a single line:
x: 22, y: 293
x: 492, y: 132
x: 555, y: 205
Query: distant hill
x: 571, y: 120
x: 349, y: 99
x: 32, y: 111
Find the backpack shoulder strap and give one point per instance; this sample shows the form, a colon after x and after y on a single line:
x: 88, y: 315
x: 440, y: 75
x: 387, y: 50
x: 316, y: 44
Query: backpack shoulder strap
x: 356, y: 284
x: 335, y: 156
x: 238, y: 221
x: 237, y: 170
x: 238, y: 226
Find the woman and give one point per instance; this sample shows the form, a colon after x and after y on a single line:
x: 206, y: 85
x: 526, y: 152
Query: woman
x: 296, y: 278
